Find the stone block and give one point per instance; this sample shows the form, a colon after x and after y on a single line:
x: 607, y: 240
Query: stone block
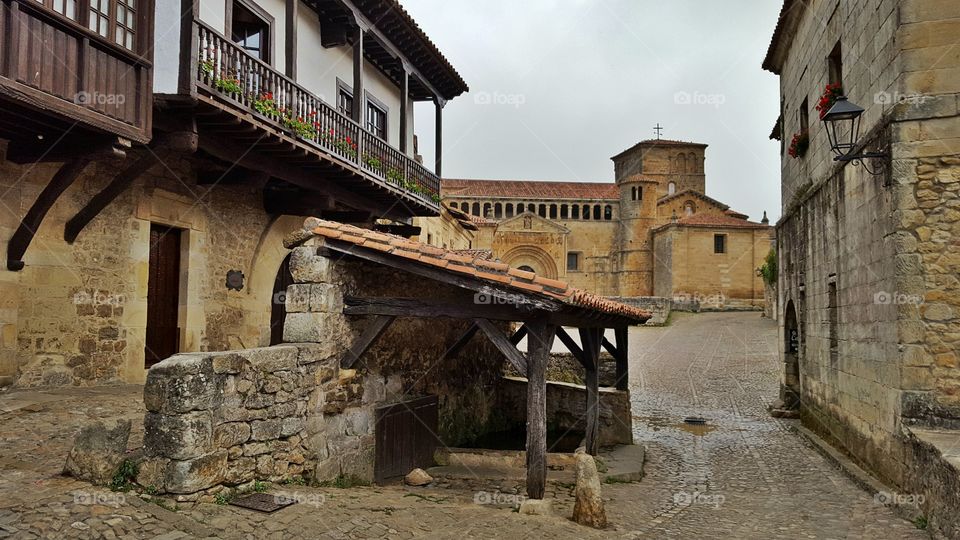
x: 182, y: 383
x: 191, y: 476
x: 306, y: 328
x: 358, y: 463
x: 306, y: 266
x: 264, y: 430
x: 98, y: 451
x: 240, y: 470
x: 231, y: 434
x: 271, y: 359
x: 183, y: 436
x: 151, y: 473
x: 292, y: 426
x: 297, y: 298
x: 232, y: 363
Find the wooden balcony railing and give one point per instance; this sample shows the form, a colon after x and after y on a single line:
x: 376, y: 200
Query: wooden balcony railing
x: 228, y: 71
x: 53, y: 62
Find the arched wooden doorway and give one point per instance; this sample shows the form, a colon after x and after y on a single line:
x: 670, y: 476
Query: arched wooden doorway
x: 278, y: 306
x: 791, y: 386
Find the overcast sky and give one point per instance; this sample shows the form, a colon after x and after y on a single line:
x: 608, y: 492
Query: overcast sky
x: 557, y: 87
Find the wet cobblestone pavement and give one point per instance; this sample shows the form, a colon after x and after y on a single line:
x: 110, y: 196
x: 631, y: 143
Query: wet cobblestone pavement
x: 742, y: 475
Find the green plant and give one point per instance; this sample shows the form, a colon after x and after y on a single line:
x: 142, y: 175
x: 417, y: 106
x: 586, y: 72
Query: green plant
x: 921, y: 522
x: 601, y: 465
x: 206, y: 66
x: 372, y: 161
x: 265, y: 104
x: 260, y: 486
x: 222, y: 498
x: 799, y: 144
x: 769, y: 268
x: 303, y: 128
x: 230, y: 85
x: 295, y: 481
x: 345, y: 481
x: 125, y: 476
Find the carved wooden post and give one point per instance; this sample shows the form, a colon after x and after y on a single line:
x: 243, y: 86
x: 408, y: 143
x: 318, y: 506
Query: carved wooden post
x: 539, y: 343
x: 404, y: 103
x: 591, y: 338
x: 358, y: 95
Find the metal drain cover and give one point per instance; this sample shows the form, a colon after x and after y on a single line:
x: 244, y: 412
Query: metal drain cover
x: 263, y: 502
x: 694, y: 420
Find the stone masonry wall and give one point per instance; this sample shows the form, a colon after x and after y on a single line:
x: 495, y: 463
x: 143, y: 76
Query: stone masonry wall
x: 566, y: 409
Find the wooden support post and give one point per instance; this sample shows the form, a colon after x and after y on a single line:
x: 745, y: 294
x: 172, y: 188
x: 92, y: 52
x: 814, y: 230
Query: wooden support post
x: 439, y: 138
x: 290, y: 39
x: 377, y: 327
x: 404, y: 103
x: 571, y: 345
x: 21, y: 239
x: 539, y: 343
x: 358, y: 94
x: 591, y: 339
x: 623, y: 358
x: 518, y: 335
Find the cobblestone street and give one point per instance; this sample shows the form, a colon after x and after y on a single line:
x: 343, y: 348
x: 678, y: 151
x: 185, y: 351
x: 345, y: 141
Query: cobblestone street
x: 742, y: 475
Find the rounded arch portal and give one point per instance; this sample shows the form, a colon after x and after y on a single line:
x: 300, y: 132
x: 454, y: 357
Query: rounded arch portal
x: 538, y: 260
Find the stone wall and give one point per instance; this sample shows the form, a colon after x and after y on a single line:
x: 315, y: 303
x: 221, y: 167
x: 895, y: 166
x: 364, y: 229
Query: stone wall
x: 659, y: 307
x: 76, y: 314
x: 566, y: 409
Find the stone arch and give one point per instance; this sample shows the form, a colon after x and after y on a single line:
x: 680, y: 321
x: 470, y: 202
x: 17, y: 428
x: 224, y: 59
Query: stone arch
x: 790, y: 387
x: 539, y: 260
x: 266, y: 262
x: 689, y: 208
x: 682, y: 163
x: 475, y: 209
x: 692, y: 163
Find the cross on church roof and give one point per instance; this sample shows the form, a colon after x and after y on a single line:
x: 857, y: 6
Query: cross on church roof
x: 658, y: 129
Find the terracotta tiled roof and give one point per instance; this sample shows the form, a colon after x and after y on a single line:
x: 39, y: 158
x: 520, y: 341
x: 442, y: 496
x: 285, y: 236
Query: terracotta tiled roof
x: 659, y: 142
x: 715, y: 220
x: 528, y: 189
x: 694, y: 194
x: 788, y: 13
x: 484, y: 254
x: 479, y: 220
x: 473, y: 264
x: 733, y: 213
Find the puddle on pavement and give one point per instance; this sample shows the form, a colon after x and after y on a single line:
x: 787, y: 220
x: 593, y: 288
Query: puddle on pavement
x: 656, y: 423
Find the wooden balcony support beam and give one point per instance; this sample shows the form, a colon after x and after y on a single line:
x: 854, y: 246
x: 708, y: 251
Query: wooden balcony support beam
x: 500, y: 341
x: 20, y: 241
x: 376, y: 328
x: 539, y: 343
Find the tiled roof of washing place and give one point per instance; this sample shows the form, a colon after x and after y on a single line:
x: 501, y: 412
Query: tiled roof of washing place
x: 528, y: 189
x: 484, y: 254
x: 474, y: 265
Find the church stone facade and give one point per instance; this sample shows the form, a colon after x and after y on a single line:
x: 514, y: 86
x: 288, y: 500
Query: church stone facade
x: 652, y: 232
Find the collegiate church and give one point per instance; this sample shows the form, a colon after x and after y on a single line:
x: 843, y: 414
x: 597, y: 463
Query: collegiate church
x: 653, y: 232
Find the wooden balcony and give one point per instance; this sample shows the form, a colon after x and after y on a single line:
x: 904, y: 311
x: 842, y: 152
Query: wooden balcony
x: 60, y: 79
x: 318, y: 139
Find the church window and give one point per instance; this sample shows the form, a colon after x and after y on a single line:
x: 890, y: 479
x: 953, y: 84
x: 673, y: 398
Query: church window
x: 576, y: 211
x: 553, y: 211
x: 608, y: 212
x: 486, y: 209
x: 476, y: 209
x: 509, y: 210
x: 688, y: 208
x: 682, y: 163
x: 573, y: 261
x: 596, y: 212
x: 564, y: 211
x: 498, y: 210
x: 719, y: 243
x: 543, y: 210
x: 532, y: 208
x: 671, y: 188
x: 586, y: 211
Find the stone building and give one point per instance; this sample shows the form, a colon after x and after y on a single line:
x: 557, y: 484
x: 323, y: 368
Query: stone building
x: 867, y: 251
x: 653, y: 232
x: 144, y: 193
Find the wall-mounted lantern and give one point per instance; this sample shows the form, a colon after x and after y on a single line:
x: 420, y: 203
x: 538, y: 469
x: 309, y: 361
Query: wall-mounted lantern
x: 843, y: 129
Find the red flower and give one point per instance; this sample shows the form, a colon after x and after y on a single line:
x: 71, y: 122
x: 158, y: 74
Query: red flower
x: 348, y: 140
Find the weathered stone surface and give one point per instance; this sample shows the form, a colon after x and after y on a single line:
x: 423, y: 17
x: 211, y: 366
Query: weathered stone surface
x: 417, y: 477
x: 151, y: 474
x: 231, y: 434
x: 182, y: 383
x: 588, y: 509
x: 194, y: 475
x: 264, y: 430
x: 98, y: 451
x: 179, y: 437
x: 536, y: 507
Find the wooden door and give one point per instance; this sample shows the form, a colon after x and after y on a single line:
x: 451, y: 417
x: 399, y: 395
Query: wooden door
x: 278, y: 308
x: 163, y: 295
x: 405, y: 437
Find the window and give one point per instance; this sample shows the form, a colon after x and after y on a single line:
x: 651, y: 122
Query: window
x: 100, y: 17
x: 344, y: 99
x: 689, y: 208
x: 376, y: 118
x: 719, y: 243
x: 671, y: 188
x: 596, y: 212
x: 835, y: 65
x: 64, y: 7
x: 250, y: 31
x: 576, y: 211
x: 126, y: 23
x: 564, y: 211
x: 429, y: 239
x: 608, y: 212
x: 498, y: 210
x: 476, y: 209
x: 636, y: 193
x: 553, y: 211
x: 804, y: 115
x: 573, y: 261
x: 833, y: 318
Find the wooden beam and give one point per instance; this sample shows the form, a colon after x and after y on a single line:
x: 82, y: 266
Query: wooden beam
x: 437, y: 168
x: 107, y: 195
x: 610, y: 347
x: 417, y: 307
x: 518, y: 336
x: 622, y: 335
x: 358, y: 95
x: 189, y: 12
x: 404, y: 102
x: 539, y: 343
x: 59, y: 151
x: 500, y: 341
x: 20, y: 241
x: 377, y: 327
x: 591, y: 338
x: 461, y: 342
x: 290, y: 38
x: 571, y: 345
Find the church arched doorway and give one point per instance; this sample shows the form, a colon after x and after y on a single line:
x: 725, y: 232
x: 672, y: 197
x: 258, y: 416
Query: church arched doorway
x: 790, y: 390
